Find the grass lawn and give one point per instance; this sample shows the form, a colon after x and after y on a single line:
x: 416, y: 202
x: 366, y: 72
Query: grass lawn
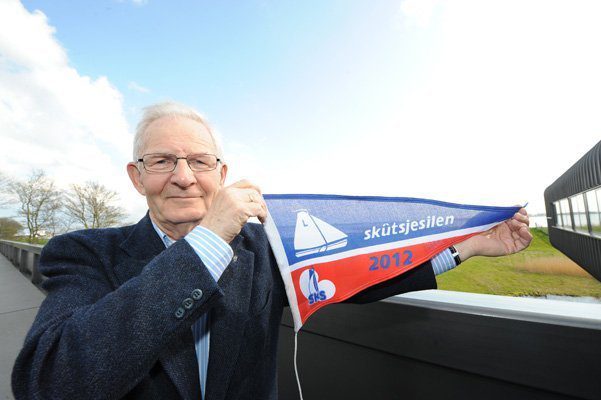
x: 24, y: 239
x: 537, y: 271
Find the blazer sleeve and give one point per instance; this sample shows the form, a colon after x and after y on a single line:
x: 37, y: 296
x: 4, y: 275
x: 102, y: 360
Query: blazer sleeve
x: 94, y: 339
x: 419, y: 278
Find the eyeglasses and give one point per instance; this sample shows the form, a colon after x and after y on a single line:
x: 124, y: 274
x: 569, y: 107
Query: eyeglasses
x: 164, y: 163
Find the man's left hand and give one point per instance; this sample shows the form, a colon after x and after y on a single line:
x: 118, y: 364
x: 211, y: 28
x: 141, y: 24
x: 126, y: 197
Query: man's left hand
x: 508, y: 237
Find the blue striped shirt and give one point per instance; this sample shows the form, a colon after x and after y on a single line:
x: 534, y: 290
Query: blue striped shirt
x: 216, y: 254
x: 443, y: 262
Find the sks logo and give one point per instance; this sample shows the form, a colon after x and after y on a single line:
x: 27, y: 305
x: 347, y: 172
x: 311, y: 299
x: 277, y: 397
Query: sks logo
x: 314, y: 289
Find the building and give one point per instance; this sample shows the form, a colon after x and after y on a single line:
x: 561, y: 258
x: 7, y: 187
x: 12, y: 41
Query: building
x: 573, y: 204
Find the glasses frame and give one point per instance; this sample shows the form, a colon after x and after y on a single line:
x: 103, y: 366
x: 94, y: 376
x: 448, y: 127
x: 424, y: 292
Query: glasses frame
x: 176, y: 160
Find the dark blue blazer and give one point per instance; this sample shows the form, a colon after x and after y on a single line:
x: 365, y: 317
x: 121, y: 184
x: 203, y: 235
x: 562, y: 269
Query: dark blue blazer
x: 108, y: 328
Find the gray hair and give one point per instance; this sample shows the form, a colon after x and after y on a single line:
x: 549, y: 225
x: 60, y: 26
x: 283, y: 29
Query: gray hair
x: 169, y: 109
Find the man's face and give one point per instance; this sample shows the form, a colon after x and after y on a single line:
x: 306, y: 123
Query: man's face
x: 181, y: 196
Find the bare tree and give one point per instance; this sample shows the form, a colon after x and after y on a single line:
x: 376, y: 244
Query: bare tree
x: 93, y: 206
x: 39, y: 203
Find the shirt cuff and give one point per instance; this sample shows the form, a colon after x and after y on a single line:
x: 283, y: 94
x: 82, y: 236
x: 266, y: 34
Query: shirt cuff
x: 443, y: 262
x: 213, y: 251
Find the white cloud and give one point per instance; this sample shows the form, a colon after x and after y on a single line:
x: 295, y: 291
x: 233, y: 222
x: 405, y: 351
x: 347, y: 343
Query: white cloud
x: 418, y: 12
x: 509, y: 102
x: 53, y: 118
x: 137, y: 88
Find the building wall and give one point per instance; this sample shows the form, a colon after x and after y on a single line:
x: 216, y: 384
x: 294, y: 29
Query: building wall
x: 573, y: 206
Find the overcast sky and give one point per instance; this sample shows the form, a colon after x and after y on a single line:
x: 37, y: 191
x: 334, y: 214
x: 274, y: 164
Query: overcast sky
x: 478, y: 102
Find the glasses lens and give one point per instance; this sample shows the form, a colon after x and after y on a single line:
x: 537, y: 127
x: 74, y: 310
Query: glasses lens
x: 202, y: 162
x: 159, y: 162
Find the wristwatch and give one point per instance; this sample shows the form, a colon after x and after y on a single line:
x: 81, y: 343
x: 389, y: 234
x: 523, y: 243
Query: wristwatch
x: 455, y: 255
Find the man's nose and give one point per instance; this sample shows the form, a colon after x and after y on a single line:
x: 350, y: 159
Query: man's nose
x: 183, y: 175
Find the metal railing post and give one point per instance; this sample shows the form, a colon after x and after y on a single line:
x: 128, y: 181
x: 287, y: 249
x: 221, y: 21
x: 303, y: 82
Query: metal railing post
x: 36, y: 276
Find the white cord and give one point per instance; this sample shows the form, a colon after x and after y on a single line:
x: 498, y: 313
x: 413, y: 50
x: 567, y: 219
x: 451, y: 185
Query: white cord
x: 300, y: 391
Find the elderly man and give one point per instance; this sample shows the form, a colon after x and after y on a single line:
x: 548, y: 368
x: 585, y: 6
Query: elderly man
x: 187, y: 302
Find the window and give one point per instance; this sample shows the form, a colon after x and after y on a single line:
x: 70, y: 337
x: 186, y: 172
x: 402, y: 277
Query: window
x: 557, y: 213
x: 579, y: 213
x: 565, y: 214
x: 593, y: 199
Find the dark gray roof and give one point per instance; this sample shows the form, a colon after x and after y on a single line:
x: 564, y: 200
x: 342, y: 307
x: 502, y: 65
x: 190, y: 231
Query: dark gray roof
x: 583, y: 175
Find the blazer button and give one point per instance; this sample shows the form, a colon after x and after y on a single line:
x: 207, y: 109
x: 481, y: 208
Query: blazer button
x: 188, y: 303
x: 196, y: 294
x: 235, y: 258
x: 179, y: 313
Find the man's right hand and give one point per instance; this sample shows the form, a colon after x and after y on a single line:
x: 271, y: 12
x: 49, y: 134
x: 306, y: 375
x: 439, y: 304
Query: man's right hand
x: 232, y: 207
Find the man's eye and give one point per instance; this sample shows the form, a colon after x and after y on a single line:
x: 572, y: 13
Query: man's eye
x: 198, y: 161
x: 159, y: 161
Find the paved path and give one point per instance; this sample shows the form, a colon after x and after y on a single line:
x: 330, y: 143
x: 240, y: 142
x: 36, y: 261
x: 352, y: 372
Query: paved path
x: 19, y: 302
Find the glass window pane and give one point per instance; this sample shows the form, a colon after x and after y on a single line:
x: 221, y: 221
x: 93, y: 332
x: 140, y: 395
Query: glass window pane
x: 557, y: 213
x: 592, y: 198
x: 579, y: 213
x: 565, y: 213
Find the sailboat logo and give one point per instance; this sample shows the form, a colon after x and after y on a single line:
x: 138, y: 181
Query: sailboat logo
x: 312, y: 235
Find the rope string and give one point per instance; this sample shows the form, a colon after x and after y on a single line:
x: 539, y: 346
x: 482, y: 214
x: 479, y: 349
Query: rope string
x: 300, y: 391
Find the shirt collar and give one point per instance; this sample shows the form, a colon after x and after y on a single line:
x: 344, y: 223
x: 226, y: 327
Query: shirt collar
x: 167, y: 241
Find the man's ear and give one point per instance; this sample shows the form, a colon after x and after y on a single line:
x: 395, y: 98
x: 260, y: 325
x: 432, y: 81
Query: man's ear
x: 223, y: 174
x: 134, y: 176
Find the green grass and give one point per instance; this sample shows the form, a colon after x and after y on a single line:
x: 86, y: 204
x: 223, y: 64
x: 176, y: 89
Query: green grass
x: 537, y: 271
x: 25, y: 239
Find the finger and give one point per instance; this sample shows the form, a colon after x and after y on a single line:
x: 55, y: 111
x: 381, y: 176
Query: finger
x: 521, y: 217
x: 263, y: 215
x: 255, y: 210
x: 515, y: 225
x: 525, y: 234
x: 262, y: 201
x: 258, y: 198
x: 245, y: 184
x: 525, y: 238
x: 248, y: 195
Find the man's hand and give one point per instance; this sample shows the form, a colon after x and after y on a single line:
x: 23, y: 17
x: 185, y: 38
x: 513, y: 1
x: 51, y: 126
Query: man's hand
x: 506, y: 238
x: 232, y: 207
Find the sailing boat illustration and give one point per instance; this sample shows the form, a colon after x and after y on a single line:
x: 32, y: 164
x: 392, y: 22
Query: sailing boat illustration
x: 312, y: 235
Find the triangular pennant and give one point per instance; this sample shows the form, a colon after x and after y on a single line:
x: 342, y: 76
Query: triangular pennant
x: 330, y: 247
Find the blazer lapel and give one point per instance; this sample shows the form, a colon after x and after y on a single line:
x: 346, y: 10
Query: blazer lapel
x: 227, y: 321
x: 142, y: 245
x: 179, y: 356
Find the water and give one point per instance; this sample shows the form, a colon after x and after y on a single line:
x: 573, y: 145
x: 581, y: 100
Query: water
x: 538, y: 221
